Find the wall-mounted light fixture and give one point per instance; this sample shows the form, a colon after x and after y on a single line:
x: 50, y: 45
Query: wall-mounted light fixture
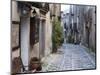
x: 34, y: 13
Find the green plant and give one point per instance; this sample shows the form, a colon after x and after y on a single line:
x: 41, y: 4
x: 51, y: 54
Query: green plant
x: 70, y: 39
x: 57, y: 35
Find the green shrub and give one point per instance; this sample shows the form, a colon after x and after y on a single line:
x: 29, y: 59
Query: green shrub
x: 57, y: 35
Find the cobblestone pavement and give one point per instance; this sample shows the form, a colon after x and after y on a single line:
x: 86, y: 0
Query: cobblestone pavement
x: 69, y: 57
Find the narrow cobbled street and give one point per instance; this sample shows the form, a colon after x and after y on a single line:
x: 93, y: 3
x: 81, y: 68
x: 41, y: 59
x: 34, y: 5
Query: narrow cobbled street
x: 69, y: 57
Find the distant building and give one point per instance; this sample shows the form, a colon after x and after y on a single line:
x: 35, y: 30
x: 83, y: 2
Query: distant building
x: 81, y: 25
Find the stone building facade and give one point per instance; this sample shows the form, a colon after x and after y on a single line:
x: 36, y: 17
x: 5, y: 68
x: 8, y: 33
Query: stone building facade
x: 31, y: 30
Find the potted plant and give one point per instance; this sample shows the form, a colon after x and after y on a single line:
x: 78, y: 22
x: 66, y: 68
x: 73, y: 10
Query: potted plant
x: 35, y: 64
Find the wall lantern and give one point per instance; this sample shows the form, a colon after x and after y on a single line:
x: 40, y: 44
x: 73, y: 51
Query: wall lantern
x: 34, y: 13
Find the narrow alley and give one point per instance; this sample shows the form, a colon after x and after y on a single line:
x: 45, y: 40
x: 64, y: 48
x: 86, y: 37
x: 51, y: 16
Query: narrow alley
x: 47, y: 37
x: 69, y: 57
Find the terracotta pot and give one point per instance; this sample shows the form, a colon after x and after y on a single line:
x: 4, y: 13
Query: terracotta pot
x: 35, y: 64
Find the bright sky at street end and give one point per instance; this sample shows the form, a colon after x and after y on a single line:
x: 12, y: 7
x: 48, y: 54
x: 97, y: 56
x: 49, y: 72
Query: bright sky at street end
x: 65, y: 7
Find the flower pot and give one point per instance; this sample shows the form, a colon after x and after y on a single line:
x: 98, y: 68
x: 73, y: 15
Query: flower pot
x: 35, y: 64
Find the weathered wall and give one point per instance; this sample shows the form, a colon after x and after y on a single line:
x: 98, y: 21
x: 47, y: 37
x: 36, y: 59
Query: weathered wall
x: 92, y: 38
x: 15, y: 30
x: 48, y: 34
x: 15, y: 35
x: 15, y: 14
x: 15, y: 27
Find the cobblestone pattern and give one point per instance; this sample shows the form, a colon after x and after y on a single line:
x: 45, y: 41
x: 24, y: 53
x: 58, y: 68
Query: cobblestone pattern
x: 69, y: 57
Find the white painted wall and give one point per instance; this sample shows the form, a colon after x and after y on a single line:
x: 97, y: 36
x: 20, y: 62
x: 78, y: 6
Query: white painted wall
x: 25, y: 30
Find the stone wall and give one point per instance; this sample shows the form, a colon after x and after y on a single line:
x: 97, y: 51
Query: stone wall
x: 48, y: 35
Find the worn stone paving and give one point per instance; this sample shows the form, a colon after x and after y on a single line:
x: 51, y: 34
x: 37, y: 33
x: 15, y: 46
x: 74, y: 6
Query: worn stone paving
x: 69, y: 57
